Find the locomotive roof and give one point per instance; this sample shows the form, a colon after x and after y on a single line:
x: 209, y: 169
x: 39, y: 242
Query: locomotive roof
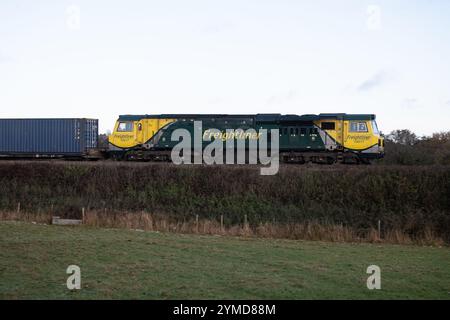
x: 260, y: 117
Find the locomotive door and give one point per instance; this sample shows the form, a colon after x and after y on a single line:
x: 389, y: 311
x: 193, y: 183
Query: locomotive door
x: 340, y: 133
x: 284, y: 138
x: 294, y: 137
x: 139, y: 132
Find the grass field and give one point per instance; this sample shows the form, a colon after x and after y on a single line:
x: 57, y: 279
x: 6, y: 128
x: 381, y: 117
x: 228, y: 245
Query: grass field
x: 129, y: 264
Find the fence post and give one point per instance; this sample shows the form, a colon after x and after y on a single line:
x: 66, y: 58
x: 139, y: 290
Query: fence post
x: 221, y: 223
x: 379, y: 229
x: 18, y: 207
x: 245, y: 223
x: 196, y: 223
x: 82, y: 214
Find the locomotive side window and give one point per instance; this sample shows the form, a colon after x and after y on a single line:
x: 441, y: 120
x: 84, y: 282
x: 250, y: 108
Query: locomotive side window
x: 296, y: 131
x: 302, y: 130
x: 313, y: 131
x: 358, y: 126
x: 125, y: 127
x: 328, y: 126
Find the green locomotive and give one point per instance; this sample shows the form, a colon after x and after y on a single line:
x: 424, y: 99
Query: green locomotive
x: 323, y: 138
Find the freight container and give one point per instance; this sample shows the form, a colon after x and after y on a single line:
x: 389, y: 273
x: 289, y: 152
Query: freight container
x: 52, y: 138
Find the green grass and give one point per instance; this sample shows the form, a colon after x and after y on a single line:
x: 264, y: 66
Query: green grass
x: 126, y: 264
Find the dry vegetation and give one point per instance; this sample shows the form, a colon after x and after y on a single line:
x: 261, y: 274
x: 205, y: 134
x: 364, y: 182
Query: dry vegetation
x: 337, y: 203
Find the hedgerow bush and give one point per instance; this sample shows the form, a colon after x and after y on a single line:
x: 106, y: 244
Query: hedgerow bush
x: 412, y: 199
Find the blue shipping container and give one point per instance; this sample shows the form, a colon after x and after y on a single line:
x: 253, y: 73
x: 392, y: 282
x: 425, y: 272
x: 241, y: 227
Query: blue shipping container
x: 48, y: 137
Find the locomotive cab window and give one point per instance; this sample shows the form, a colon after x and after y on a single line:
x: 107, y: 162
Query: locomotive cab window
x: 375, y: 127
x: 125, y: 127
x: 328, y: 126
x: 358, y: 126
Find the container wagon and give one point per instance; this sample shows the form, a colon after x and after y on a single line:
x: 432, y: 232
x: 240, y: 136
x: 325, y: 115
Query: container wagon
x: 49, y: 138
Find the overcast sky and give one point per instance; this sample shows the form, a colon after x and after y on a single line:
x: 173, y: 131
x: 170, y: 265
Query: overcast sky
x: 100, y: 59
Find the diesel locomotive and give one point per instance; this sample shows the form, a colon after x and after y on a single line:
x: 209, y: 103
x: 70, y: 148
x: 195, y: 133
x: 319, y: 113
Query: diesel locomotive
x: 324, y: 138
